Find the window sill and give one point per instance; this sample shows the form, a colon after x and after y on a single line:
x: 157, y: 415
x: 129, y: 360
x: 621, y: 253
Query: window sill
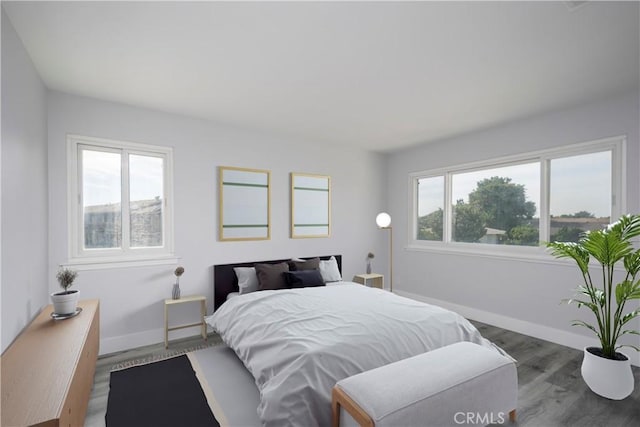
x: 536, y: 255
x: 105, y: 263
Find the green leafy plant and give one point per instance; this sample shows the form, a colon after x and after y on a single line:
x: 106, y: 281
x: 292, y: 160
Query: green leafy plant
x: 65, y: 277
x: 608, y: 246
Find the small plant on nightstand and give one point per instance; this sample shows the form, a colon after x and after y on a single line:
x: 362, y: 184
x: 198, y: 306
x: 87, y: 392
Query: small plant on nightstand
x: 65, y: 302
x: 179, y: 271
x: 370, y: 256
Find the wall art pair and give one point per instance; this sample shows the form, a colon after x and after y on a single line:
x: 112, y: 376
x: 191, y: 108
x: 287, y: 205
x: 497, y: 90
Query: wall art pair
x: 245, y: 204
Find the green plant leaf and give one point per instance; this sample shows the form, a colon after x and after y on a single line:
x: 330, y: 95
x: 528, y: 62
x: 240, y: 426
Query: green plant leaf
x: 620, y: 293
x: 584, y: 290
x: 571, y: 250
x: 594, y: 294
x: 627, y: 227
x: 586, y: 325
x: 635, y: 291
x: 605, y: 246
x: 627, y: 317
x: 600, y: 297
x: 580, y: 303
x: 632, y: 263
x: 623, y: 290
x: 636, y: 348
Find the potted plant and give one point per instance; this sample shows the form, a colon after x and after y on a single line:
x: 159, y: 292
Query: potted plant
x: 370, y: 256
x: 175, y: 293
x: 606, y: 371
x: 65, y: 302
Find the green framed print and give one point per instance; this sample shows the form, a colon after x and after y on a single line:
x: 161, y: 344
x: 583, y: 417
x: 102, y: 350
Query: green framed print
x: 245, y: 204
x: 310, y: 205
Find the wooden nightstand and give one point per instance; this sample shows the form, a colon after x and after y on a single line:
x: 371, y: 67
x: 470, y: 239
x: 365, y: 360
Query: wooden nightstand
x: 201, y: 323
x: 373, y: 280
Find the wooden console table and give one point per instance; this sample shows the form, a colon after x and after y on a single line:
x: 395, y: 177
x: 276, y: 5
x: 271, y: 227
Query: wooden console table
x: 47, y: 372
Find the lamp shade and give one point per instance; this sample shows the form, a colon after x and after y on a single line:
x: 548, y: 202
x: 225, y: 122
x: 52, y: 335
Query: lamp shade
x: 383, y: 220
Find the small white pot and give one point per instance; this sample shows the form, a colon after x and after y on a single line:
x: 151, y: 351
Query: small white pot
x: 608, y: 378
x: 65, y: 302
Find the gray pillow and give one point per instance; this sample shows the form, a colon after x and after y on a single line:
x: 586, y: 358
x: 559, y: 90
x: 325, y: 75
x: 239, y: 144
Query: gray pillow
x: 271, y: 276
x: 309, y: 264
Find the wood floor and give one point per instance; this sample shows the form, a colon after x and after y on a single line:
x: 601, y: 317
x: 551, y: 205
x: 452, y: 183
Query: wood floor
x: 550, y: 393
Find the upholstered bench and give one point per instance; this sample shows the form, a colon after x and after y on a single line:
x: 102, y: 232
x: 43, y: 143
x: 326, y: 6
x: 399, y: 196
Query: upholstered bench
x: 460, y: 384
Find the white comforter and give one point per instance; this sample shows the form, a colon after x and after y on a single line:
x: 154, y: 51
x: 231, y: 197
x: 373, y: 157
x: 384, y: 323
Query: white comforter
x: 298, y: 343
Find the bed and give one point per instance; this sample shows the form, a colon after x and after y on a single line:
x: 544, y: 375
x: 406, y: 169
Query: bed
x: 297, y: 343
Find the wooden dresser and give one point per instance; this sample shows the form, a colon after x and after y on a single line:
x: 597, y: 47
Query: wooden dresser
x: 47, y: 373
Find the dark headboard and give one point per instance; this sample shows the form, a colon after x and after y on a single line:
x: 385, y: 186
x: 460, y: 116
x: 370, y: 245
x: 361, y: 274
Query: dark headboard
x: 225, y: 280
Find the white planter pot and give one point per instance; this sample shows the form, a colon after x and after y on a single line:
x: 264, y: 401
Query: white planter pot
x: 608, y: 378
x: 65, y: 302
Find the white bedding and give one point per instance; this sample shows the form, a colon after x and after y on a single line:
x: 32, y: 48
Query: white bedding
x: 298, y: 343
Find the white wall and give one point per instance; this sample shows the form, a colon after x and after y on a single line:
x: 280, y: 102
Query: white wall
x: 24, y: 188
x: 513, y: 294
x: 131, y: 298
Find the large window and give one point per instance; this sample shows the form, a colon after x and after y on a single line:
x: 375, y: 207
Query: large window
x: 554, y: 195
x: 119, y: 200
x: 580, y: 195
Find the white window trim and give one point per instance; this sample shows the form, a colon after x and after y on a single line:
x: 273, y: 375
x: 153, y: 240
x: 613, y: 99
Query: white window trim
x: 616, y: 144
x: 99, y: 259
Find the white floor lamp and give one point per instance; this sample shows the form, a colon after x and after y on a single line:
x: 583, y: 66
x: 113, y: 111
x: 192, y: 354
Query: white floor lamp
x: 384, y: 222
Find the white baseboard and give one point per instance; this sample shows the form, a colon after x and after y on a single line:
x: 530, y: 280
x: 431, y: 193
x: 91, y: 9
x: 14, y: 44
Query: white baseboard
x: 139, y: 339
x: 546, y: 333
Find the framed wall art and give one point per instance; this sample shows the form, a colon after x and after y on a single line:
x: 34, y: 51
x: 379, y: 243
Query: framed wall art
x: 245, y: 204
x: 310, y: 205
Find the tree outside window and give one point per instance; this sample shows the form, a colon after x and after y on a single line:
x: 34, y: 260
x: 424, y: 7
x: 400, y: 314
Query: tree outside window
x: 500, y: 205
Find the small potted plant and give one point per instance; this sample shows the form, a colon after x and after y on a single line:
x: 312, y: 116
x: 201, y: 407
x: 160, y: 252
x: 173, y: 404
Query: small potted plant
x: 370, y: 256
x: 179, y: 271
x: 65, y: 302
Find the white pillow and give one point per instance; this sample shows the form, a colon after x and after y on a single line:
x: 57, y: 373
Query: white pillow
x: 329, y: 270
x: 247, y: 279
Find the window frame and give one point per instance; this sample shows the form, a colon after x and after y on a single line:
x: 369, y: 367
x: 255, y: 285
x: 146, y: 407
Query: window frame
x: 82, y: 258
x: 616, y: 145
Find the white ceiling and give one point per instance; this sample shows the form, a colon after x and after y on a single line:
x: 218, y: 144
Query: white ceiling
x: 378, y: 75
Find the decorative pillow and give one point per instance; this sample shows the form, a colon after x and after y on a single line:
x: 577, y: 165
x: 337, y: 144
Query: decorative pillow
x: 304, y: 278
x: 329, y: 270
x: 271, y: 276
x: 301, y: 264
x: 247, y: 279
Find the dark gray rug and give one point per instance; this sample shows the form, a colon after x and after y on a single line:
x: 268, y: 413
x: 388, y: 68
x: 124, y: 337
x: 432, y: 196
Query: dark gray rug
x: 165, y: 393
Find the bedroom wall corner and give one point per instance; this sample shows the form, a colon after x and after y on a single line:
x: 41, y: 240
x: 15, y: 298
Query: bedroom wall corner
x: 24, y: 188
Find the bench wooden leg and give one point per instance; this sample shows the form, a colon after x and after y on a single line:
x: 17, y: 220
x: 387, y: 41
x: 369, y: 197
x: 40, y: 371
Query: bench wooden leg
x: 512, y: 416
x: 335, y: 412
x: 341, y: 399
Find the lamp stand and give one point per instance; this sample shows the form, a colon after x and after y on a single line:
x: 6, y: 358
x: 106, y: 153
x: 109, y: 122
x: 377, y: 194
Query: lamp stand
x: 383, y: 220
x: 390, y: 257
